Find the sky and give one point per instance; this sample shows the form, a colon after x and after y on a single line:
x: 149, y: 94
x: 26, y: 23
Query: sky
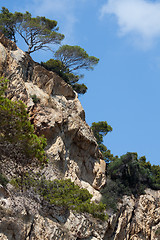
x: 124, y: 88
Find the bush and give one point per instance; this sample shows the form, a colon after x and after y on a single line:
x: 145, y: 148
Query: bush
x: 62, y: 193
x: 3, y: 180
x: 113, y: 192
x: 128, y: 170
x: 65, y: 193
x: 157, y: 233
x: 155, y: 174
x: 35, y: 99
x: 129, y: 175
x: 16, y: 129
x: 70, y: 78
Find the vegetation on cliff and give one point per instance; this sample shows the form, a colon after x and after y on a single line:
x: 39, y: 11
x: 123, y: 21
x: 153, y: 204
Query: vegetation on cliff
x: 16, y: 130
x: 127, y: 174
x: 18, y: 142
x: 68, y: 60
x: 17, y: 133
x: 101, y: 129
x: 39, y: 33
x: 62, y: 193
x: 70, y: 78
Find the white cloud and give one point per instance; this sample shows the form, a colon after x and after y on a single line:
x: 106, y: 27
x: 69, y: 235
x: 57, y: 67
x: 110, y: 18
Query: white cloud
x: 137, y: 18
x: 52, y: 6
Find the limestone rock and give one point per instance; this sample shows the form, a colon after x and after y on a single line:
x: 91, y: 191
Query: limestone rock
x: 23, y: 218
x: 137, y: 219
x: 56, y: 112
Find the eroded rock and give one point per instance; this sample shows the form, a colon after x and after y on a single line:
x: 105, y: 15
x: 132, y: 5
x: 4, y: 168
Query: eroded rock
x: 55, y: 112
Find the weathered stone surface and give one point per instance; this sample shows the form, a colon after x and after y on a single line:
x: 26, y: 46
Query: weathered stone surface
x: 23, y: 218
x: 3, y: 55
x: 137, y: 219
x: 7, y: 43
x: 57, y: 114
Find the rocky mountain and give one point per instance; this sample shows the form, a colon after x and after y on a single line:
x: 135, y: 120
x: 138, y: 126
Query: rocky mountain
x: 73, y: 153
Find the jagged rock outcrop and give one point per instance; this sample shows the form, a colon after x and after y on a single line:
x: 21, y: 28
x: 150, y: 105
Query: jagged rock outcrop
x: 21, y: 218
x: 57, y: 113
x: 136, y: 219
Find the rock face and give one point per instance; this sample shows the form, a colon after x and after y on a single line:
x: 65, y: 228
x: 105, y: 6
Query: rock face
x: 137, y: 219
x: 23, y: 219
x: 56, y: 112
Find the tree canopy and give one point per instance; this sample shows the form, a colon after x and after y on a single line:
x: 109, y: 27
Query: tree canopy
x: 100, y: 129
x: 67, y: 63
x: 70, y: 78
x: 7, y: 24
x: 128, y: 175
x: 37, y: 32
x: 75, y: 58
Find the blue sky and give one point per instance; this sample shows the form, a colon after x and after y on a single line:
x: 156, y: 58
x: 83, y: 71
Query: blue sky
x: 124, y: 87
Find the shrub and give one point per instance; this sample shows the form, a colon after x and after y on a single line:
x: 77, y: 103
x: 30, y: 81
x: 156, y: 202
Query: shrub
x: 35, y: 98
x: 155, y: 174
x: 129, y: 175
x: 70, y: 78
x: 3, y: 180
x: 128, y: 170
x: 65, y: 193
x: 16, y: 129
x: 62, y: 193
x: 113, y: 192
x: 157, y: 233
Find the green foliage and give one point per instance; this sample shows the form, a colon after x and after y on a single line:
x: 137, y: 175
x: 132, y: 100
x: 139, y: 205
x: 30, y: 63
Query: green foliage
x: 16, y: 129
x: 155, y: 176
x: 112, y: 193
x: 7, y: 23
x: 129, y: 175
x: 157, y: 233
x: 35, y: 99
x: 75, y: 58
x: 79, y: 88
x: 68, y: 60
x: 62, y: 193
x: 55, y: 66
x: 60, y: 69
x: 125, y: 175
x: 128, y: 170
x: 65, y: 193
x: 143, y: 163
x: 70, y: 78
x: 37, y: 32
x: 3, y: 179
x: 100, y: 129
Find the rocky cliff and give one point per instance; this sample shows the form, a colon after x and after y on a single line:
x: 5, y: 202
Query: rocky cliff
x: 58, y: 115
x: 73, y: 153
